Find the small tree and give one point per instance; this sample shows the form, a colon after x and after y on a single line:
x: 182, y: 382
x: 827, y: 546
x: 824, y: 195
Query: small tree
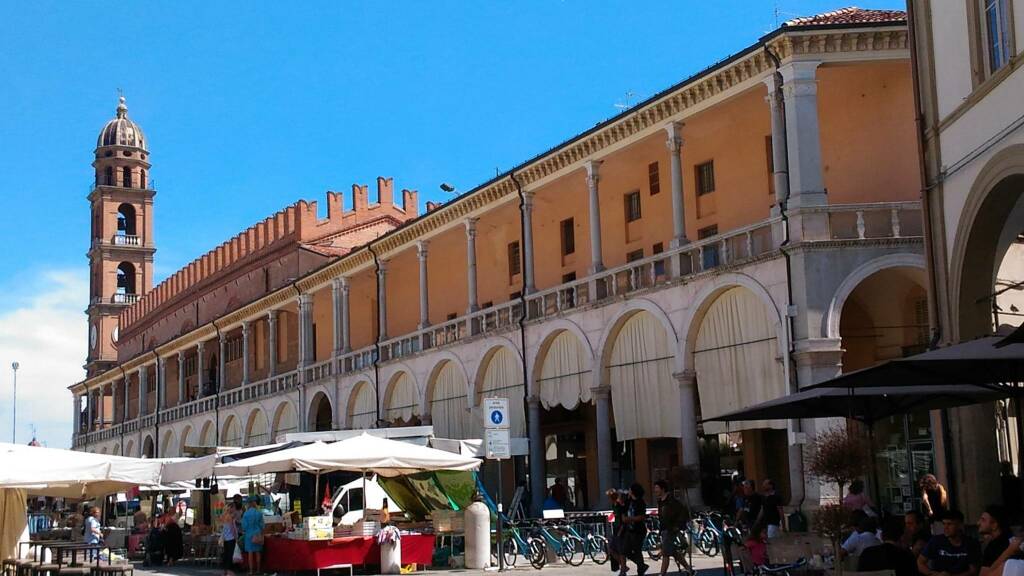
x: 839, y: 456
x: 829, y: 522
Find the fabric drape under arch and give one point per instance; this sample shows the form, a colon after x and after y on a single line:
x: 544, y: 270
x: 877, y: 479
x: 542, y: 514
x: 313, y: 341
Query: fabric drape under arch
x: 737, y: 359
x: 286, y: 421
x: 257, y: 434
x: 186, y: 438
x: 13, y: 521
x: 565, y: 379
x: 403, y: 402
x: 362, y: 412
x: 232, y: 432
x: 503, y: 378
x: 645, y: 396
x: 449, y: 405
x: 168, y: 448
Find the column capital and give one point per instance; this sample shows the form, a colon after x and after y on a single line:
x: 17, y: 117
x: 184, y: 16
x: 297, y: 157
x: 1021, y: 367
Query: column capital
x: 687, y: 378
x: 181, y: 356
x: 336, y: 284
x: 528, y: 200
x: 382, y: 267
x: 818, y: 352
x: 771, y: 81
x: 304, y: 299
x: 593, y: 168
x: 601, y: 392
x: 246, y: 326
x: 344, y: 283
x: 533, y: 400
x: 799, y: 78
x: 422, y: 248
x: 674, y: 140
x: 471, y: 227
x: 272, y: 316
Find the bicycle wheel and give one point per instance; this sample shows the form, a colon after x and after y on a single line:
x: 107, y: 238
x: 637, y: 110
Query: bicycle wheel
x: 597, y: 549
x: 538, y: 553
x: 511, y: 551
x: 571, y: 552
x: 652, y: 545
x: 709, y: 543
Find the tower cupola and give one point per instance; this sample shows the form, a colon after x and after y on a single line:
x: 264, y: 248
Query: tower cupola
x: 121, y: 131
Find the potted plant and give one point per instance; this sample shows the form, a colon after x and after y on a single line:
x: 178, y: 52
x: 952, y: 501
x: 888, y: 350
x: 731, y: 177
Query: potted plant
x: 829, y: 522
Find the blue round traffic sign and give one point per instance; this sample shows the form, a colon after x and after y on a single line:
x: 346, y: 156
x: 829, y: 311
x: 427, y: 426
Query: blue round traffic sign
x: 496, y: 416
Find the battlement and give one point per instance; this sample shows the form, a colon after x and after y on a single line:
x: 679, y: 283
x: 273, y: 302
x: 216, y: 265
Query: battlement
x: 297, y: 224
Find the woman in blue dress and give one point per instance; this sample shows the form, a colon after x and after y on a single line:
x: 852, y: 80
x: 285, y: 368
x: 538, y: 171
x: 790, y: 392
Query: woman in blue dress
x: 252, y: 535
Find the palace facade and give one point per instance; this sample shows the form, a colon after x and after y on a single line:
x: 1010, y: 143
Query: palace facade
x: 748, y: 232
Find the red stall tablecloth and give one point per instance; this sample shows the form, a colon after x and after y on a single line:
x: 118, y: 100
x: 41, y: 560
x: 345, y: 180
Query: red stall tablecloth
x: 286, y: 555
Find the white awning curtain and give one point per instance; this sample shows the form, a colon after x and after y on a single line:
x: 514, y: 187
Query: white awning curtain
x: 206, y: 435
x: 257, y: 433
x: 403, y: 402
x: 362, y: 407
x: 285, y: 421
x: 232, y: 434
x: 737, y: 360
x: 565, y: 379
x: 168, y: 447
x: 645, y: 396
x: 503, y: 378
x: 449, y: 408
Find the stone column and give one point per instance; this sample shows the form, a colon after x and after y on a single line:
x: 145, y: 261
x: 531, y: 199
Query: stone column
x: 537, y: 481
x: 125, y: 404
x: 596, y: 257
x: 143, y: 390
x: 382, y: 308
x: 687, y: 380
x: 222, y: 365
x: 272, y: 343
x: 306, y: 351
x: 99, y: 409
x: 346, y: 337
x: 780, y: 163
x: 817, y: 360
x: 602, y: 404
x: 246, y: 350
x: 113, y: 403
x: 337, y: 334
x: 161, y: 383
x: 473, y: 303
x: 421, y: 254
x: 529, y: 285
x: 88, y: 411
x: 77, y: 414
x: 674, y: 143
x: 800, y: 93
x: 200, y: 372
x: 181, y: 377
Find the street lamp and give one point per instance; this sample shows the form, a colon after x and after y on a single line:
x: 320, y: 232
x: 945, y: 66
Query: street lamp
x: 14, y: 409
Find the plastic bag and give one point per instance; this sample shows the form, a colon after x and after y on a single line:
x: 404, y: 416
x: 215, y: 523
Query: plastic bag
x: 236, y: 557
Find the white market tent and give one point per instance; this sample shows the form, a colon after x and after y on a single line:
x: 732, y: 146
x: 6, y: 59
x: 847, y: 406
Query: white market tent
x: 363, y: 453
x: 55, y: 472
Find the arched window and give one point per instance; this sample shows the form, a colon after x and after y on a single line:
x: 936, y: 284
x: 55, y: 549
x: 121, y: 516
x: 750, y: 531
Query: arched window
x: 126, y: 220
x: 142, y: 179
x: 108, y: 176
x: 126, y: 278
x: 126, y: 177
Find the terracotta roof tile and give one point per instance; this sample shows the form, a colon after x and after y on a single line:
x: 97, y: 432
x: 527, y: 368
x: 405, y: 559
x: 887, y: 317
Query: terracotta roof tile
x: 327, y: 249
x: 850, y: 15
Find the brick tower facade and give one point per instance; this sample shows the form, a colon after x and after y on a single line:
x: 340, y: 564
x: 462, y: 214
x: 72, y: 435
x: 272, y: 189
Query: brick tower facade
x: 121, y: 239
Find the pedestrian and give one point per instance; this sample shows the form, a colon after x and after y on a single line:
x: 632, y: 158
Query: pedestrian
x: 752, y: 504
x: 951, y: 553
x: 92, y: 530
x: 757, y: 544
x: 252, y: 535
x: 615, y: 542
x: 994, y: 528
x: 229, y: 534
x: 771, y: 509
x: 635, y: 530
x: 857, y: 499
x: 671, y: 517
x: 915, y: 532
x: 174, y: 542
x: 934, y: 500
x: 863, y: 536
x: 560, y: 494
x: 890, y: 554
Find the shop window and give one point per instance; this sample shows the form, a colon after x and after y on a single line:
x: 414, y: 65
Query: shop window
x: 653, y: 178
x: 705, y: 177
x: 568, y: 230
x: 632, y: 206
x: 515, y: 263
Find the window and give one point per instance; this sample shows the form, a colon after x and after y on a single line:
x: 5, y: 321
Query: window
x: 233, y: 349
x: 568, y: 229
x: 635, y: 255
x: 568, y: 296
x: 632, y: 205
x: 126, y: 177
x: 515, y: 263
x: 653, y: 178
x: 142, y: 179
x: 108, y: 176
x: 126, y: 220
x: 705, y: 178
x: 190, y: 366
x: 125, y: 278
x: 710, y: 251
x: 515, y: 295
x: 452, y: 316
x: 770, y: 159
x: 995, y: 33
x: 707, y: 232
x: 570, y: 277
x: 659, y: 266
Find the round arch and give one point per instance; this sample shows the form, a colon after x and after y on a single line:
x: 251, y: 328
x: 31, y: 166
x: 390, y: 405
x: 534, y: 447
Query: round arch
x: 186, y: 434
x: 563, y: 370
x: 207, y: 435
x: 130, y: 450
x: 231, y: 432
x: 148, y: 449
x: 168, y: 448
x: 321, y: 414
x: 500, y: 375
x: 361, y: 409
x: 402, y: 399
x: 285, y: 420
x: 115, y: 450
x: 448, y: 400
x: 257, y: 430
x: 859, y: 275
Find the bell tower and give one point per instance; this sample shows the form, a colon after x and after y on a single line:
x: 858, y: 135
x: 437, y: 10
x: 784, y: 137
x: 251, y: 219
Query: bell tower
x: 121, y: 239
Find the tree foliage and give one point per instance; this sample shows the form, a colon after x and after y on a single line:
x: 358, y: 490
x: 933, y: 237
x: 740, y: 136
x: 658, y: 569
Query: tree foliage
x: 837, y: 455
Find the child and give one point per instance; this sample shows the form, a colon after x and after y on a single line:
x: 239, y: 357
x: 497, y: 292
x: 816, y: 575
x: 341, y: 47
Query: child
x: 757, y: 544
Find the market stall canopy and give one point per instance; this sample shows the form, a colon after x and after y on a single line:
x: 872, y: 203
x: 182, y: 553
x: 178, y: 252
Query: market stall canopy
x: 363, y: 453
x: 981, y: 362
x: 67, y: 473
x: 177, y: 470
x: 864, y: 403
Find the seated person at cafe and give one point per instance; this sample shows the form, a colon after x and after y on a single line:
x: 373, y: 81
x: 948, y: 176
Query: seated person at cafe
x: 863, y: 536
x: 890, y: 555
x: 915, y: 532
x: 951, y: 553
x: 994, y: 528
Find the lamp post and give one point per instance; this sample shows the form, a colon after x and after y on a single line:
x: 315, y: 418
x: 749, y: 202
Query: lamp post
x: 14, y: 408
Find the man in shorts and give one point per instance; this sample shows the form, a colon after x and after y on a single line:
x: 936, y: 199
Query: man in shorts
x: 671, y: 518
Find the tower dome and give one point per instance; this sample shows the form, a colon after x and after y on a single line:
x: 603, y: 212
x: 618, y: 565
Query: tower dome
x: 121, y: 131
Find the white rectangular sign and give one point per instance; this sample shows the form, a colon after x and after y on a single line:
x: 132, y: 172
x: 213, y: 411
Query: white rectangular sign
x: 496, y: 413
x: 498, y: 443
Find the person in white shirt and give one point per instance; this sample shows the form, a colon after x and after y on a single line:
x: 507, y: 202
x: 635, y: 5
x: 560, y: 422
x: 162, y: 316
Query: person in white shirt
x: 863, y: 536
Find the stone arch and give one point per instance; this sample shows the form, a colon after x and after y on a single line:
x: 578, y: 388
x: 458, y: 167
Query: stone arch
x: 563, y: 370
x: 116, y: 449
x: 447, y: 400
x: 186, y: 432
x: 148, y: 447
x: 361, y: 407
x: 993, y: 203
x: 130, y: 448
x: 500, y: 374
x: 555, y: 328
x: 168, y: 447
x: 631, y: 308
x: 231, y: 432
x: 257, y: 429
x: 854, y: 279
x: 321, y: 412
x: 402, y: 399
x: 285, y: 420
x: 208, y: 435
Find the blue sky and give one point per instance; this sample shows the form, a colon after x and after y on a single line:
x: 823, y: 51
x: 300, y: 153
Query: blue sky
x: 249, y: 106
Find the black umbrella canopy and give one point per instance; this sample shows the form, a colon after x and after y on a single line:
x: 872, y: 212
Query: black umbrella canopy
x: 978, y: 362
x: 866, y: 404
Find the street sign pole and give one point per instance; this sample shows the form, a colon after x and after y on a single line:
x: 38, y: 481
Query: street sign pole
x: 497, y: 446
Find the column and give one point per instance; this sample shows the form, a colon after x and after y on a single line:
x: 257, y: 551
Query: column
x: 336, y: 318
x: 113, y: 403
x: 99, y: 409
x: 421, y: 254
x: 346, y: 338
x: 528, y: 281
x: 602, y: 404
x: 306, y: 352
x: 473, y: 302
x: 77, y: 414
x: 200, y: 374
x: 538, y: 486
x: 246, y: 360
x: 800, y: 93
x: 143, y: 390
x: 596, y: 258
x: 272, y: 343
x: 161, y: 383
x: 125, y: 404
x: 780, y: 163
x: 687, y: 380
x: 382, y: 308
x: 88, y: 412
x: 181, y: 377
x: 222, y: 365
x: 674, y: 143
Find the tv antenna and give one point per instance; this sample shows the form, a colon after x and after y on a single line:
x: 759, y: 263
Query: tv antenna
x: 627, y: 103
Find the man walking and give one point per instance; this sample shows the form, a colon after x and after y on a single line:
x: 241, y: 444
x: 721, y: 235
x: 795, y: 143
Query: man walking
x: 671, y: 516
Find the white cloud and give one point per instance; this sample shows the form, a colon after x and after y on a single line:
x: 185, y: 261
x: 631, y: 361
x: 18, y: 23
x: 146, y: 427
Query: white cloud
x: 43, y: 328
